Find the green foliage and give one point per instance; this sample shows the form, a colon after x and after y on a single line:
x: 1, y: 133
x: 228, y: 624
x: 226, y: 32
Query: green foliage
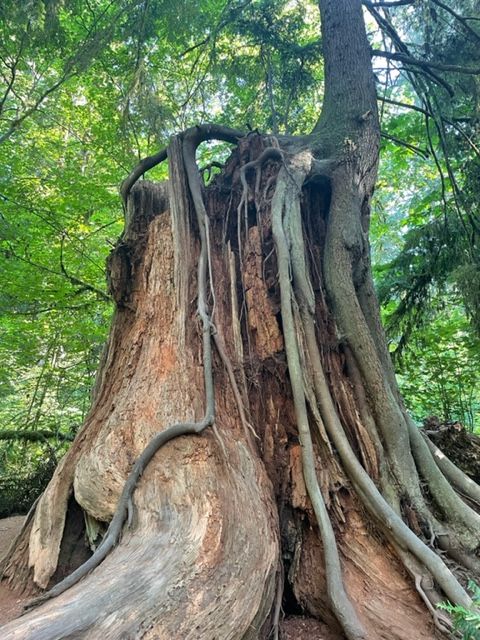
x: 438, y: 373
x: 59, y: 215
x: 429, y: 262
x: 426, y: 223
x: 428, y: 288
x: 427, y: 274
x: 466, y: 621
x: 23, y: 477
x: 276, y: 70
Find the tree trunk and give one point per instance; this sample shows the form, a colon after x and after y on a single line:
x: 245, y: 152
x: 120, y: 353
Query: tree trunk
x: 296, y: 483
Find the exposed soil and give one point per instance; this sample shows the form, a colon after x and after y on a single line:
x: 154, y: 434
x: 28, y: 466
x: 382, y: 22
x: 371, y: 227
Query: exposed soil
x: 299, y: 628
x: 10, y: 603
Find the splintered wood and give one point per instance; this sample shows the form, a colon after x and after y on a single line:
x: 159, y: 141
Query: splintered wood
x: 261, y: 317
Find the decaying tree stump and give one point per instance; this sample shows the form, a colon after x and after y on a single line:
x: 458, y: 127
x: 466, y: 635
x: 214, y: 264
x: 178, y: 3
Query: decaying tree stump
x: 247, y: 441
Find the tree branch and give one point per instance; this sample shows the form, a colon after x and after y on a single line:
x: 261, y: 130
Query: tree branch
x: 34, y: 436
x: 221, y: 24
x: 387, y: 5
x: 424, y: 64
x: 405, y: 105
x: 420, y: 152
x: 461, y: 19
x: 81, y: 283
x: 13, y: 72
x: 14, y: 124
x: 36, y: 312
x: 383, y: 23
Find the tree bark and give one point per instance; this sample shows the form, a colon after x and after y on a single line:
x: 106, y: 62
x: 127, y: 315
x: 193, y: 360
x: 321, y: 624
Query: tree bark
x: 303, y: 488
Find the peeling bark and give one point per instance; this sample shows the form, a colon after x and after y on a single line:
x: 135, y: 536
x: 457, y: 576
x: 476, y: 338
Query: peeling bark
x: 186, y: 532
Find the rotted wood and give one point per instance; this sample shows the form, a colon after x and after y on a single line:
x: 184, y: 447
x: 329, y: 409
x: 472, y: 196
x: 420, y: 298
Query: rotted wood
x: 460, y: 445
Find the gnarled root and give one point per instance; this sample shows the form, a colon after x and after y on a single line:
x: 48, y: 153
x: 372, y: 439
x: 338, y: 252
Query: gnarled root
x: 340, y: 603
x: 392, y: 525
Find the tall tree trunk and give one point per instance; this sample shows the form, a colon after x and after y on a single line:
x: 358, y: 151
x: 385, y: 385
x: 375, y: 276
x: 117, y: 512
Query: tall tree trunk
x: 283, y: 472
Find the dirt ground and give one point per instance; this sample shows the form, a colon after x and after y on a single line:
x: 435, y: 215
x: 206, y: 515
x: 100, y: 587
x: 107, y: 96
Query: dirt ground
x: 299, y: 628
x: 10, y: 603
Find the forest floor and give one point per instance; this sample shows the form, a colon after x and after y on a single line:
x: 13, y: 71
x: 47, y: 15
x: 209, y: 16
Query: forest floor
x: 10, y: 603
x: 299, y: 628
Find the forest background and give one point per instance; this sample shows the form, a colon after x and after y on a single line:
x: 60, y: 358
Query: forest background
x: 90, y: 88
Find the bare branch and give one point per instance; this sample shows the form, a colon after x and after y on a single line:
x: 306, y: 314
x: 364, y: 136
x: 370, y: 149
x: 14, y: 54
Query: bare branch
x: 419, y: 152
x: 405, y: 105
x: 385, y: 24
x: 195, y: 46
x: 221, y: 24
x: 81, y: 283
x: 18, y: 121
x: 13, y: 72
x: 425, y: 64
x: 34, y: 436
x: 57, y: 308
x: 461, y: 19
x: 387, y: 5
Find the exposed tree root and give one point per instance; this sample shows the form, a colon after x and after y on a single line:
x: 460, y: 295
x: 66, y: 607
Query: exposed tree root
x: 406, y: 453
x: 291, y: 256
x: 457, y: 477
x: 199, y: 133
x: 427, y: 594
x: 247, y: 427
x: 278, y: 603
x: 124, y: 506
x: 389, y: 521
x: 435, y: 469
x: 191, y: 139
x: 340, y: 603
x: 464, y: 521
